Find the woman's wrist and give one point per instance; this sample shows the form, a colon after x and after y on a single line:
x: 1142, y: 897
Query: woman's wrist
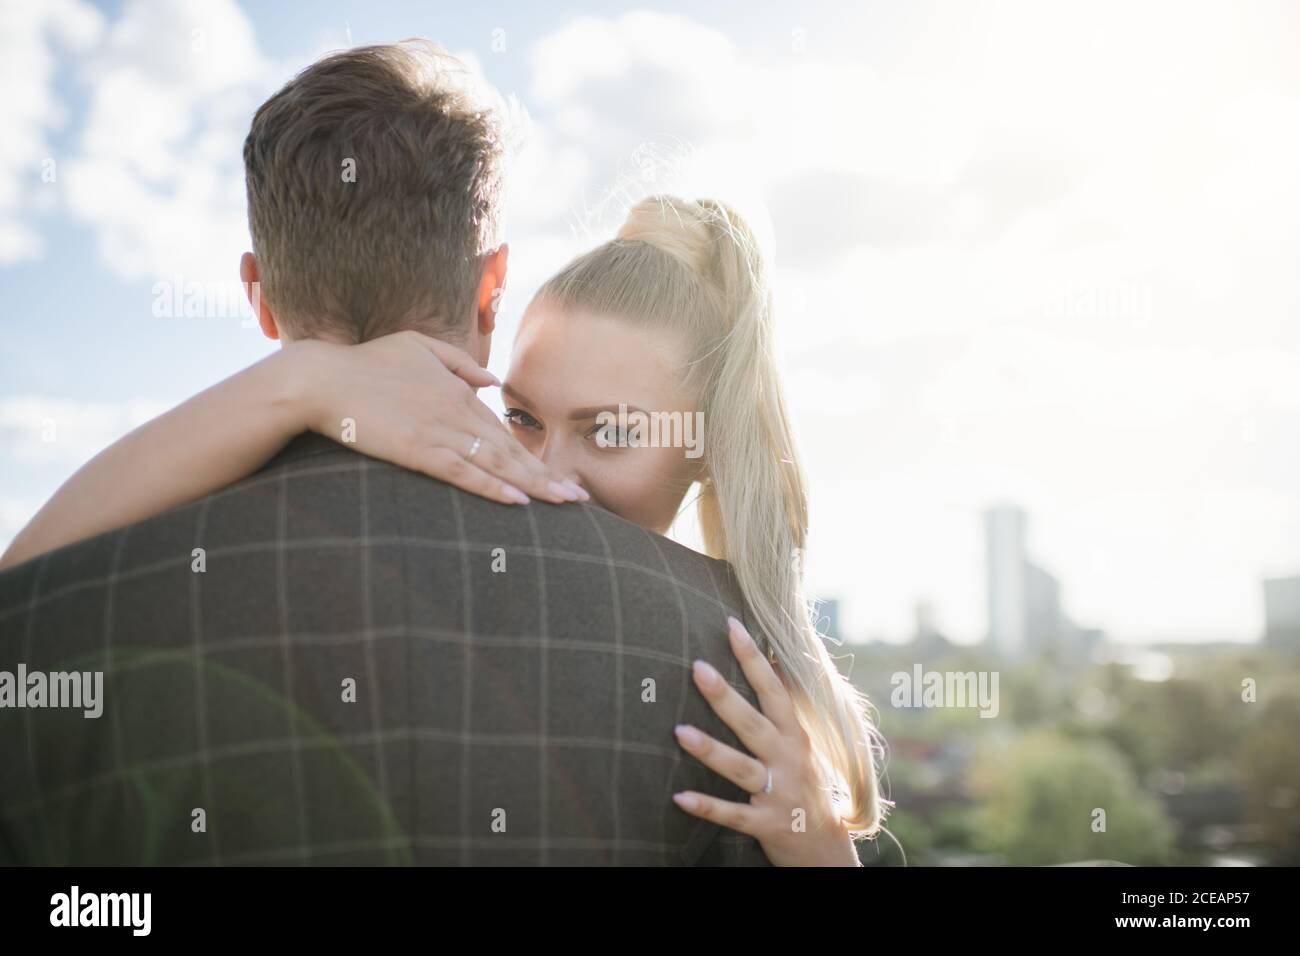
x: 852, y: 859
x: 846, y: 851
x: 297, y: 396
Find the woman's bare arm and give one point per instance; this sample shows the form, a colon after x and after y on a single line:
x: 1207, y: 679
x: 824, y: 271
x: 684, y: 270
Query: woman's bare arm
x: 217, y: 437
x: 411, y: 398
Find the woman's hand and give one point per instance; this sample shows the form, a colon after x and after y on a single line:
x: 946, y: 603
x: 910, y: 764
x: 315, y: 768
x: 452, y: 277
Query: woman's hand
x: 796, y: 823
x: 410, y: 399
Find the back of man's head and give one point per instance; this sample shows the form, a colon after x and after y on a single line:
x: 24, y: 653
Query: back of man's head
x: 374, y: 184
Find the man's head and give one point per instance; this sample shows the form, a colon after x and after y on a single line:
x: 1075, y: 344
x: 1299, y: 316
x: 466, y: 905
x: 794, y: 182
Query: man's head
x: 374, y: 184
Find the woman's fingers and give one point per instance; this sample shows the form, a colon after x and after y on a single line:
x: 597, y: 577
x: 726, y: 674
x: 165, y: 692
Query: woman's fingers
x: 531, y: 474
x: 519, y: 453
x: 458, y: 362
x: 736, y: 816
x: 493, y: 458
x: 524, y: 468
x: 473, y: 374
x: 756, y: 732
x: 535, y: 466
x: 480, y: 410
x: 740, y: 768
x: 772, y: 694
x: 541, y: 475
x: 445, y: 464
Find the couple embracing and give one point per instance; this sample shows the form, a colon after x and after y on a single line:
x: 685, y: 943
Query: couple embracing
x: 345, y: 614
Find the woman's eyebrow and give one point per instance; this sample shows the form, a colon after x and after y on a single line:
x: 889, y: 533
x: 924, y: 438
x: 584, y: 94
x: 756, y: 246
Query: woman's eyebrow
x: 520, y: 397
x: 582, y: 414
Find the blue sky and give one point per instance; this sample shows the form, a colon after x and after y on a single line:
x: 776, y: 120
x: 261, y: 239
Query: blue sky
x: 1022, y: 251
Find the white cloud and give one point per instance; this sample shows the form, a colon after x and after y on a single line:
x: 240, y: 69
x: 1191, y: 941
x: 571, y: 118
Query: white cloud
x: 39, y: 429
x: 30, y: 36
x: 158, y: 171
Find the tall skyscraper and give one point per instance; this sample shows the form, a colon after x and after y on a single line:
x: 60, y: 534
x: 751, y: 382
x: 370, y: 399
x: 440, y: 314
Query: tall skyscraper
x: 1025, y: 617
x: 1004, y: 536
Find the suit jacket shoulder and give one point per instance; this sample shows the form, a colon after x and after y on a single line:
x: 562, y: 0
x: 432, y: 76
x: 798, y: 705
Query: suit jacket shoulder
x: 341, y: 661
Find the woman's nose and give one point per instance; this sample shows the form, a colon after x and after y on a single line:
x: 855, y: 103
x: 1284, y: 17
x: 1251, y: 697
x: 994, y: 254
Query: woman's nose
x: 558, y: 458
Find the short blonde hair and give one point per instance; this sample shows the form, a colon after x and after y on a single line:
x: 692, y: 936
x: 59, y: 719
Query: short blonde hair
x: 398, y: 244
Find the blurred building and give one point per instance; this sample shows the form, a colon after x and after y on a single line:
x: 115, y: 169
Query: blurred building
x: 1045, y: 625
x: 1025, y: 618
x: 1081, y: 642
x: 927, y: 641
x: 1282, y: 613
x: 1008, y: 605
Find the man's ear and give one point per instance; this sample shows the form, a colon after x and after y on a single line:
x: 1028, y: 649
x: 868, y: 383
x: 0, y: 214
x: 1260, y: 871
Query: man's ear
x: 248, y: 275
x: 492, y: 283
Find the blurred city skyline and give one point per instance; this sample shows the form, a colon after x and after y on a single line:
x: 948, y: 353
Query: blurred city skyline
x: 1025, y: 614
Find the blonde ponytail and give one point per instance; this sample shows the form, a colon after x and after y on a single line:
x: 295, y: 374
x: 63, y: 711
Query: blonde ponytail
x: 695, y: 268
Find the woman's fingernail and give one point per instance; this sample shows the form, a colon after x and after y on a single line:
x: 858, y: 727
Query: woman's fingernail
x: 738, y: 631
x: 687, y: 801
x: 561, y: 491
x: 707, y: 675
x: 688, y: 735
x: 515, y: 495
x: 580, y: 491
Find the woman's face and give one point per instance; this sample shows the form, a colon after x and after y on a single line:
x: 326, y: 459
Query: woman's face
x: 568, y: 368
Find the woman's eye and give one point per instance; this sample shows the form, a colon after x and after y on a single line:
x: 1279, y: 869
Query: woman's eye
x: 608, y: 436
x: 517, y: 416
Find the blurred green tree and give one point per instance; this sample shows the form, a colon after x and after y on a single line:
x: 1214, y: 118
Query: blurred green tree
x: 1270, y: 769
x: 1037, y: 795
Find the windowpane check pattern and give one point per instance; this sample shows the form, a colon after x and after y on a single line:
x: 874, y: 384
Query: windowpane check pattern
x: 337, y: 661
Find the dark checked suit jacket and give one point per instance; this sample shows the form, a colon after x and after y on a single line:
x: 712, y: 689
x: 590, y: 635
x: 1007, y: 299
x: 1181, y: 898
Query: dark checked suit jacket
x: 347, y: 680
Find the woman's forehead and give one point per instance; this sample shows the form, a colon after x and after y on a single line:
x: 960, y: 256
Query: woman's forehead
x: 579, y: 360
